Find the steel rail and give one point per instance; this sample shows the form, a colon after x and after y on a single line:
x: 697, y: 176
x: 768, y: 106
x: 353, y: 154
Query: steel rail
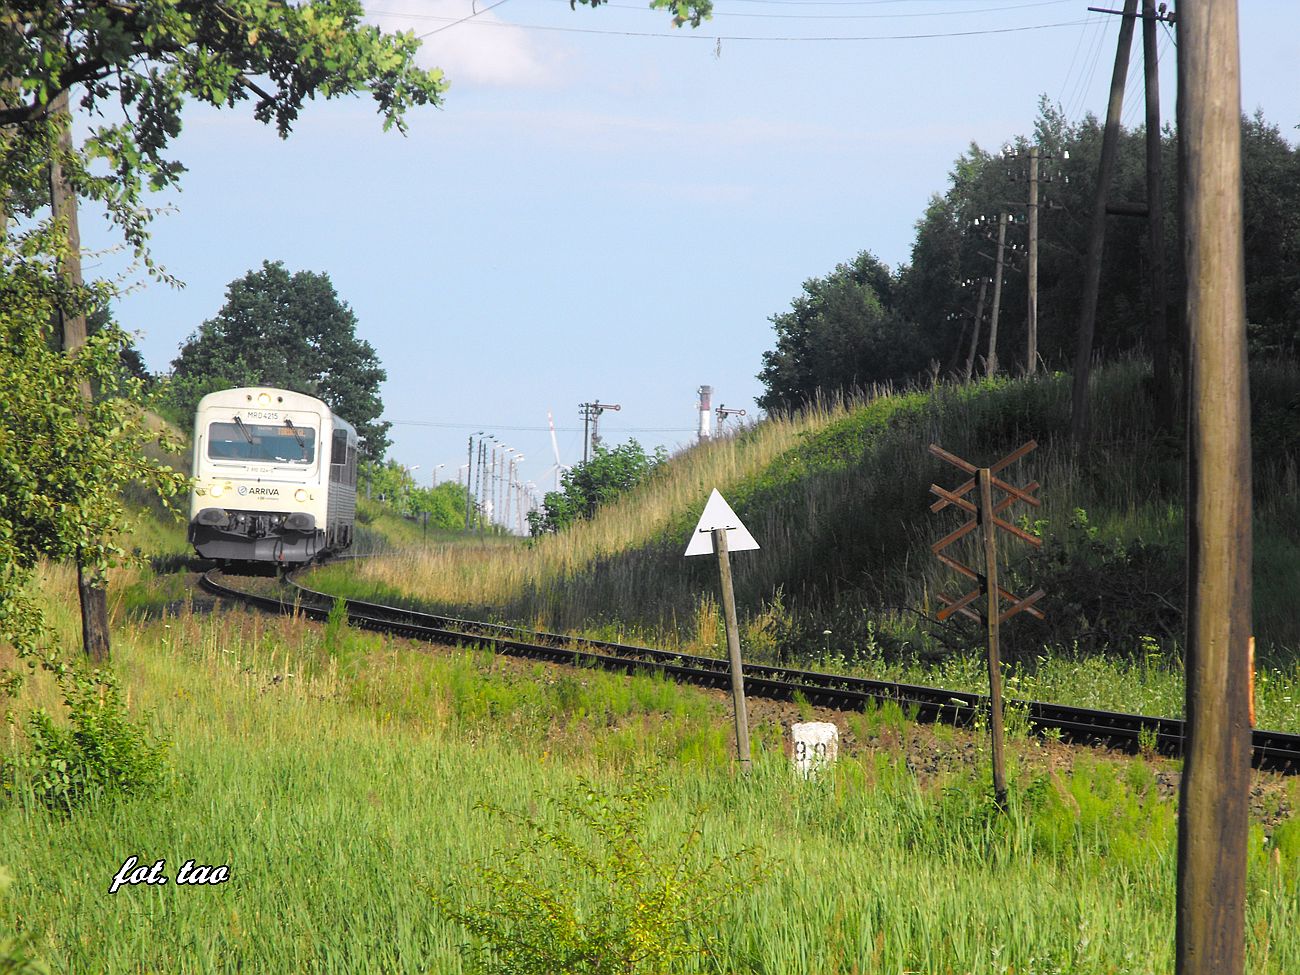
x: 1272, y: 750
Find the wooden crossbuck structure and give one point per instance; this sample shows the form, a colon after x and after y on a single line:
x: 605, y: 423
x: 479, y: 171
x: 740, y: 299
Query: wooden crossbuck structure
x: 957, y: 497
x: 984, y: 516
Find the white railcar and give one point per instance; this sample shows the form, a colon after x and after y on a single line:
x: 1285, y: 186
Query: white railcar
x: 275, y: 477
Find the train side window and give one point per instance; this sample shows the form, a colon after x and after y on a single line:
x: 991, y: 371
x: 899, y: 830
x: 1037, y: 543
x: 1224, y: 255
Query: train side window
x: 339, y: 449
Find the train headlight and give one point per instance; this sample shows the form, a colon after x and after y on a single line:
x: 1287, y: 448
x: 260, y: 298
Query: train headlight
x: 218, y: 490
x: 263, y: 399
x: 300, y: 495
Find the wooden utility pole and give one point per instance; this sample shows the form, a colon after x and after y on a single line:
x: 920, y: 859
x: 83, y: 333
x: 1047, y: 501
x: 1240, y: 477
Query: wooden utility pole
x: 992, y: 614
x: 991, y: 363
x: 1080, y: 418
x: 984, y: 517
x: 1212, y: 818
x: 1157, y: 298
x: 975, y: 338
x: 1031, y: 349
x: 92, y: 587
x: 733, y: 648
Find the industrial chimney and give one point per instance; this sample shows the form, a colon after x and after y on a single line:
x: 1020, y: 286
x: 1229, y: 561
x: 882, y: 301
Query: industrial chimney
x: 706, y: 413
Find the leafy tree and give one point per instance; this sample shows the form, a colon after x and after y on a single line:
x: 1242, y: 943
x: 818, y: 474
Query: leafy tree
x: 443, y: 506
x: 1271, y: 197
x: 598, y: 481
x: 392, y: 485
x: 387, y: 482
x: 292, y: 331
x: 128, y: 356
x: 842, y: 333
x: 63, y: 465
x: 139, y: 61
x: 929, y: 287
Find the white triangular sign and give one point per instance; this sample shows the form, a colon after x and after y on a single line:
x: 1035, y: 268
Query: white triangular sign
x: 718, y: 514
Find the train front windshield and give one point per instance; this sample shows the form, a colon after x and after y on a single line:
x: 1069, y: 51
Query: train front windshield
x: 265, y: 443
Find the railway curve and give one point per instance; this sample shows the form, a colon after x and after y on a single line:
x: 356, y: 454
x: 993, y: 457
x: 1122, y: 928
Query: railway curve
x: 1271, y: 750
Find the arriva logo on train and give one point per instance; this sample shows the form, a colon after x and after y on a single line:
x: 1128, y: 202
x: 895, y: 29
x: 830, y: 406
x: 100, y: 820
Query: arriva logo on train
x: 266, y: 492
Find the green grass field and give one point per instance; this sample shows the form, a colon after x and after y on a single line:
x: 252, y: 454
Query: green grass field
x: 338, y: 775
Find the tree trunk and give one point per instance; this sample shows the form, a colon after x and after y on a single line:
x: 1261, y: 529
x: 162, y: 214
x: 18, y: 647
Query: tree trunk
x: 91, y: 584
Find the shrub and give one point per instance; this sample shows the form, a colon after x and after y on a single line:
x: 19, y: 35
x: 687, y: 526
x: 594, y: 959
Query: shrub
x: 1104, y: 594
x: 102, y: 752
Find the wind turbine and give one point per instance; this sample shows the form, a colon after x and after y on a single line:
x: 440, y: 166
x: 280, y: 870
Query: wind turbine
x: 559, y: 468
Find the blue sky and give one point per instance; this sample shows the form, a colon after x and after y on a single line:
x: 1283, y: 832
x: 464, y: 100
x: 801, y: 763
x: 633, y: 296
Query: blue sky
x: 612, y: 209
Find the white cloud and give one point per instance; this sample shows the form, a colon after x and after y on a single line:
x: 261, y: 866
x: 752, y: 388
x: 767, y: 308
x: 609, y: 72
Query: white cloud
x: 476, y: 52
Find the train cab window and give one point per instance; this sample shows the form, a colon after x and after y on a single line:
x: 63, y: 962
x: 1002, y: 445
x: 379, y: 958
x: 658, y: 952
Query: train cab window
x: 265, y: 443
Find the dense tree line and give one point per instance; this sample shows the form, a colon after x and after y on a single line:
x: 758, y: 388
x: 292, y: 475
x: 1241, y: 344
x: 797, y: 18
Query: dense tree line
x: 864, y: 323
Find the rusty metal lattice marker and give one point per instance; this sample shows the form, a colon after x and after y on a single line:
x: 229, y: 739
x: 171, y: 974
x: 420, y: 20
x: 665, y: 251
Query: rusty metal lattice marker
x: 984, y: 516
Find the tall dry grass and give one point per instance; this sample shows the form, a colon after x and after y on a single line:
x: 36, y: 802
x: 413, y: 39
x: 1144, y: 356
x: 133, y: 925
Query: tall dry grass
x: 838, y: 498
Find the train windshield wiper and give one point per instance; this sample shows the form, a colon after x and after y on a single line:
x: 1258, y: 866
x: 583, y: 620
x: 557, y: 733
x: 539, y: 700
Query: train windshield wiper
x: 243, y: 429
x: 302, y: 443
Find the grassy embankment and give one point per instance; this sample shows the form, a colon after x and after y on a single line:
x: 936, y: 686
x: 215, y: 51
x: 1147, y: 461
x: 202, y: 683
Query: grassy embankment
x: 838, y: 498
x: 337, y: 774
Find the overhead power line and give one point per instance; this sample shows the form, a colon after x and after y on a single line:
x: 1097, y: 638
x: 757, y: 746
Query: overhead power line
x: 695, y: 35
x: 455, y: 23
x: 719, y: 14
x: 514, y: 429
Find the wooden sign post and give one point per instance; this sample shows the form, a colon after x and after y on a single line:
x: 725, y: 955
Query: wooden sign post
x: 984, y: 516
x: 733, y: 647
x: 721, y: 532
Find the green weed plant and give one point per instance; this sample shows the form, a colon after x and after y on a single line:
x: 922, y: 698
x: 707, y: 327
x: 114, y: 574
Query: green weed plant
x: 586, y: 890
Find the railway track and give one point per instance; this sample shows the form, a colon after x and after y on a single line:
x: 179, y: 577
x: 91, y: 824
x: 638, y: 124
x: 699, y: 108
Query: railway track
x: 1272, y: 750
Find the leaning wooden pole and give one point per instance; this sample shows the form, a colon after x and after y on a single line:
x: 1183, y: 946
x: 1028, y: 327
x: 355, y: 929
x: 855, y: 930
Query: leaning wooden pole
x: 1212, y: 825
x: 1080, y: 417
x: 1157, y: 291
x: 92, y: 588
